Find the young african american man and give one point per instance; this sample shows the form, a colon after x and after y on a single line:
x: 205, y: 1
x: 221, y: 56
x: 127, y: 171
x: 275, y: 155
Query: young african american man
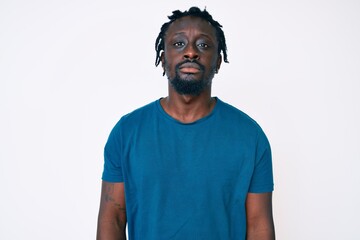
x: 187, y: 166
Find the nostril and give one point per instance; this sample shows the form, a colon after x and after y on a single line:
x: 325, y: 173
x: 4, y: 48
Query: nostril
x: 191, y: 56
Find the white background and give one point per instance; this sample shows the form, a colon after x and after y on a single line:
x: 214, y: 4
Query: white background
x: 70, y: 69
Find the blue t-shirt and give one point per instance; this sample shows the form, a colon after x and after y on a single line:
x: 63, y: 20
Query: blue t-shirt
x: 188, y: 181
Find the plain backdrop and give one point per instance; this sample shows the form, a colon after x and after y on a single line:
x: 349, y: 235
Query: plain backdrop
x: 70, y: 69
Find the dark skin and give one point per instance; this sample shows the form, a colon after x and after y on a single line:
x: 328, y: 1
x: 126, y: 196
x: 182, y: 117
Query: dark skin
x: 112, y: 213
x: 259, y: 218
x: 195, y: 39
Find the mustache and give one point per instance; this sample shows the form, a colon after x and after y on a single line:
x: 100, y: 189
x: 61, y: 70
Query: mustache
x: 201, y: 67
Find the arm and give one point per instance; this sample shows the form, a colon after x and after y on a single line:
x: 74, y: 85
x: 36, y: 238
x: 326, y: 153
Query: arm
x: 112, y: 213
x: 259, y: 218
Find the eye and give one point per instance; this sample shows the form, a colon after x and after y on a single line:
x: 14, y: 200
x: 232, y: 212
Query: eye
x: 203, y: 45
x: 178, y: 44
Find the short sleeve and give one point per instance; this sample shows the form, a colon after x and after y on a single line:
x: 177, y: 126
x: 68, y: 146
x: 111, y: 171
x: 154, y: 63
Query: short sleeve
x: 112, y: 156
x: 262, y: 178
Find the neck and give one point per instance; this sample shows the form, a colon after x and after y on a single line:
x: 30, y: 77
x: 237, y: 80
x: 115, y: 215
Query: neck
x: 188, y: 108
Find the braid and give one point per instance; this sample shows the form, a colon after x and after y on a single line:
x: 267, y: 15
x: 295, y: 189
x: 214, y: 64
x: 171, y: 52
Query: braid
x: 193, y: 11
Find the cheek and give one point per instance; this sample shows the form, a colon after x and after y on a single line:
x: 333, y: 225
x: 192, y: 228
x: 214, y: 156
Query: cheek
x: 169, y: 61
x: 168, y: 68
x: 215, y: 62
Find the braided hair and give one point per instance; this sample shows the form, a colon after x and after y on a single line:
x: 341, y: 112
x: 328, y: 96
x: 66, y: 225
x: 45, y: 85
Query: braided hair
x: 196, y: 12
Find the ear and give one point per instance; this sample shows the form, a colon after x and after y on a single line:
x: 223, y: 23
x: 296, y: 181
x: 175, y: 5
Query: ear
x: 162, y: 59
x: 218, y: 64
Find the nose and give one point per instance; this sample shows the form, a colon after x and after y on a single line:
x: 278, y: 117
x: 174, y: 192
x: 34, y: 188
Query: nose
x: 191, y: 53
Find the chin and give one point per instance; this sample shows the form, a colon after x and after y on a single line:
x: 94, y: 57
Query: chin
x: 189, y: 86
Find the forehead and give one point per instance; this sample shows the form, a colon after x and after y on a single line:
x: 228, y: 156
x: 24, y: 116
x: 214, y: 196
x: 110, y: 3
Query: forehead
x: 191, y: 23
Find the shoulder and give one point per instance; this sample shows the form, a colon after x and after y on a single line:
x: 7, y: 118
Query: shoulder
x: 132, y: 119
x: 241, y: 124
x: 139, y: 114
x: 236, y: 116
x: 246, y: 127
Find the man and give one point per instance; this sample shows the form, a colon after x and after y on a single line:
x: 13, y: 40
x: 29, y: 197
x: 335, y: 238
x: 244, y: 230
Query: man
x: 187, y: 166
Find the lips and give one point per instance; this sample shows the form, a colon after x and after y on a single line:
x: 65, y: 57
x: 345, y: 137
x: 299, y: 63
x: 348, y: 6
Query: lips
x: 190, y: 67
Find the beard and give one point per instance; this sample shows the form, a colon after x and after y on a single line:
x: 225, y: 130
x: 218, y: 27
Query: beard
x: 187, y: 85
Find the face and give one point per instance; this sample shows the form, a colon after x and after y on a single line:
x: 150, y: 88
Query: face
x: 190, y: 58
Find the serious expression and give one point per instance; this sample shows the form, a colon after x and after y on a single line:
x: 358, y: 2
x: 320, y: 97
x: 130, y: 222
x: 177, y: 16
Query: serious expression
x: 190, y: 54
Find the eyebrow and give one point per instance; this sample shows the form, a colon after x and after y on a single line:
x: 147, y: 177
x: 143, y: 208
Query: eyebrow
x: 201, y: 34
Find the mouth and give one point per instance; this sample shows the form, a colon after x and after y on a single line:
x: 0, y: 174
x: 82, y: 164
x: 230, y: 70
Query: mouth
x: 190, y: 68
